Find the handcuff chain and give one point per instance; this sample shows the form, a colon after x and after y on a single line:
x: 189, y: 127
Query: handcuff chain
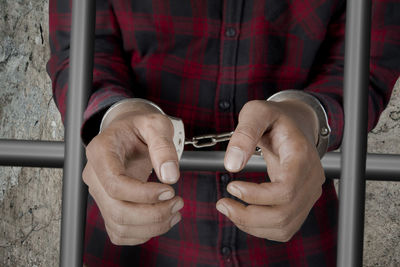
x: 208, y: 140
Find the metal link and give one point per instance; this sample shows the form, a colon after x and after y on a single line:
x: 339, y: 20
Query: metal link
x: 223, y: 137
x: 208, y: 140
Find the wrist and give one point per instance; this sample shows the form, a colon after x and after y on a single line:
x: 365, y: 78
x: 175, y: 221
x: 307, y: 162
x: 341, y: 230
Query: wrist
x: 304, y: 117
x: 125, y: 107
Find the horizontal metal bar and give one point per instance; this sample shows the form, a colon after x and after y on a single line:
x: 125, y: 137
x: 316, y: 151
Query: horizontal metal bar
x: 29, y: 153
x: 380, y: 167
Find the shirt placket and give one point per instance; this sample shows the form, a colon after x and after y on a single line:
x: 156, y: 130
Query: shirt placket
x: 225, y: 120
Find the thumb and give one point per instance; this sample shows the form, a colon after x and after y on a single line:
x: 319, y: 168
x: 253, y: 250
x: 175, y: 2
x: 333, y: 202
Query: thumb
x: 157, y: 132
x: 254, y: 119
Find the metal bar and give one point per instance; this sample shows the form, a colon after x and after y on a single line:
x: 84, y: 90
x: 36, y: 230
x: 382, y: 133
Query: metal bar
x: 50, y: 154
x: 354, y: 146
x: 80, y: 82
x: 380, y: 167
x: 31, y: 153
x: 214, y: 161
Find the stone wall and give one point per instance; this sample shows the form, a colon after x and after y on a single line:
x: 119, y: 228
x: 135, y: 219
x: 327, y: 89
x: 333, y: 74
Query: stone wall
x: 30, y: 198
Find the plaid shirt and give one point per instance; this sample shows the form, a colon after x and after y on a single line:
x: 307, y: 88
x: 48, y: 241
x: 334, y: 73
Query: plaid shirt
x: 202, y: 60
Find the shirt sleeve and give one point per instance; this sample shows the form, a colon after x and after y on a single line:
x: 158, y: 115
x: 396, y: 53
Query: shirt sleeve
x: 112, y: 77
x: 327, y: 74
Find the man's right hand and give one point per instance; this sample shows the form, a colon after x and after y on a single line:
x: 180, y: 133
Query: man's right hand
x: 120, y: 160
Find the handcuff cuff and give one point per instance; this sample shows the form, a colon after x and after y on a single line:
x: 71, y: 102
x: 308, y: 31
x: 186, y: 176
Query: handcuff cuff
x: 208, y: 140
x: 324, y: 130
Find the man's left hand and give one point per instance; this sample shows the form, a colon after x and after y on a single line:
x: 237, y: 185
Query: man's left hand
x: 286, y: 132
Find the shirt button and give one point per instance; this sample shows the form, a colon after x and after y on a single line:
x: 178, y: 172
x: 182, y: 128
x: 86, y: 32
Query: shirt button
x: 226, y: 251
x: 225, y: 178
x: 230, y: 32
x: 224, y: 105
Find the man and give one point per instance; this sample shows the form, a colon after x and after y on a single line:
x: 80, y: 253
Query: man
x: 213, y: 64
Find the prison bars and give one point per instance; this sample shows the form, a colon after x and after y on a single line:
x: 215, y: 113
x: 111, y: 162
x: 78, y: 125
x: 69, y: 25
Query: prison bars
x: 48, y: 154
x: 74, y: 194
x: 354, y: 145
x: 352, y: 185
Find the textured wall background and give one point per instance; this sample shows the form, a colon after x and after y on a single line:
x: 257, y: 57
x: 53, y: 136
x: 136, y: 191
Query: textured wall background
x: 30, y: 198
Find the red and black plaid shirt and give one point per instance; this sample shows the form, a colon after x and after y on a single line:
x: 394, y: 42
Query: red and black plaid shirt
x: 202, y: 60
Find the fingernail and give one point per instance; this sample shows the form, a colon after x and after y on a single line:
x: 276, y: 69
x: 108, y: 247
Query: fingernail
x: 166, y: 195
x: 221, y: 208
x: 175, y: 219
x: 178, y: 205
x: 234, y: 190
x: 169, y: 172
x: 234, y: 159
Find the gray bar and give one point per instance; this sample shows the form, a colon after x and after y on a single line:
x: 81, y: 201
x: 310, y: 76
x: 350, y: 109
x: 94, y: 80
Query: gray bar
x: 80, y: 83
x: 380, y: 167
x: 352, y: 182
x: 29, y: 153
x: 49, y: 154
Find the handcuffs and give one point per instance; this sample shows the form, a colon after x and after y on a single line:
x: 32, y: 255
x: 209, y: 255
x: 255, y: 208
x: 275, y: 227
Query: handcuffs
x: 212, y: 139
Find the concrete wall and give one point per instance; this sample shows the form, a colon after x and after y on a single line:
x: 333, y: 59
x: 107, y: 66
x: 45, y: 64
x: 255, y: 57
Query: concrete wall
x: 30, y: 198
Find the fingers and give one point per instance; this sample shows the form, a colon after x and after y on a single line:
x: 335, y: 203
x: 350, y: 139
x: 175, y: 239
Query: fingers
x: 267, y: 217
x: 287, y: 178
x: 130, y: 223
x: 123, y: 213
x: 143, y: 231
x: 126, y: 235
x: 253, y: 215
x: 281, y: 233
x: 121, y: 187
x: 124, y: 241
x: 248, y: 132
x: 128, y: 213
x: 274, y: 193
x: 157, y: 132
x: 273, y: 223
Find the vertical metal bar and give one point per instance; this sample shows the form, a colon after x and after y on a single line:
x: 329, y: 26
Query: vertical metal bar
x: 352, y: 182
x: 80, y: 81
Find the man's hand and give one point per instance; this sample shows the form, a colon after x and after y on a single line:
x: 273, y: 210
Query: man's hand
x: 120, y: 160
x: 286, y: 132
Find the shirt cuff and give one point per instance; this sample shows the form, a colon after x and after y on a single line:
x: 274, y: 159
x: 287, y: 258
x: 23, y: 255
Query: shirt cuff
x: 99, y: 103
